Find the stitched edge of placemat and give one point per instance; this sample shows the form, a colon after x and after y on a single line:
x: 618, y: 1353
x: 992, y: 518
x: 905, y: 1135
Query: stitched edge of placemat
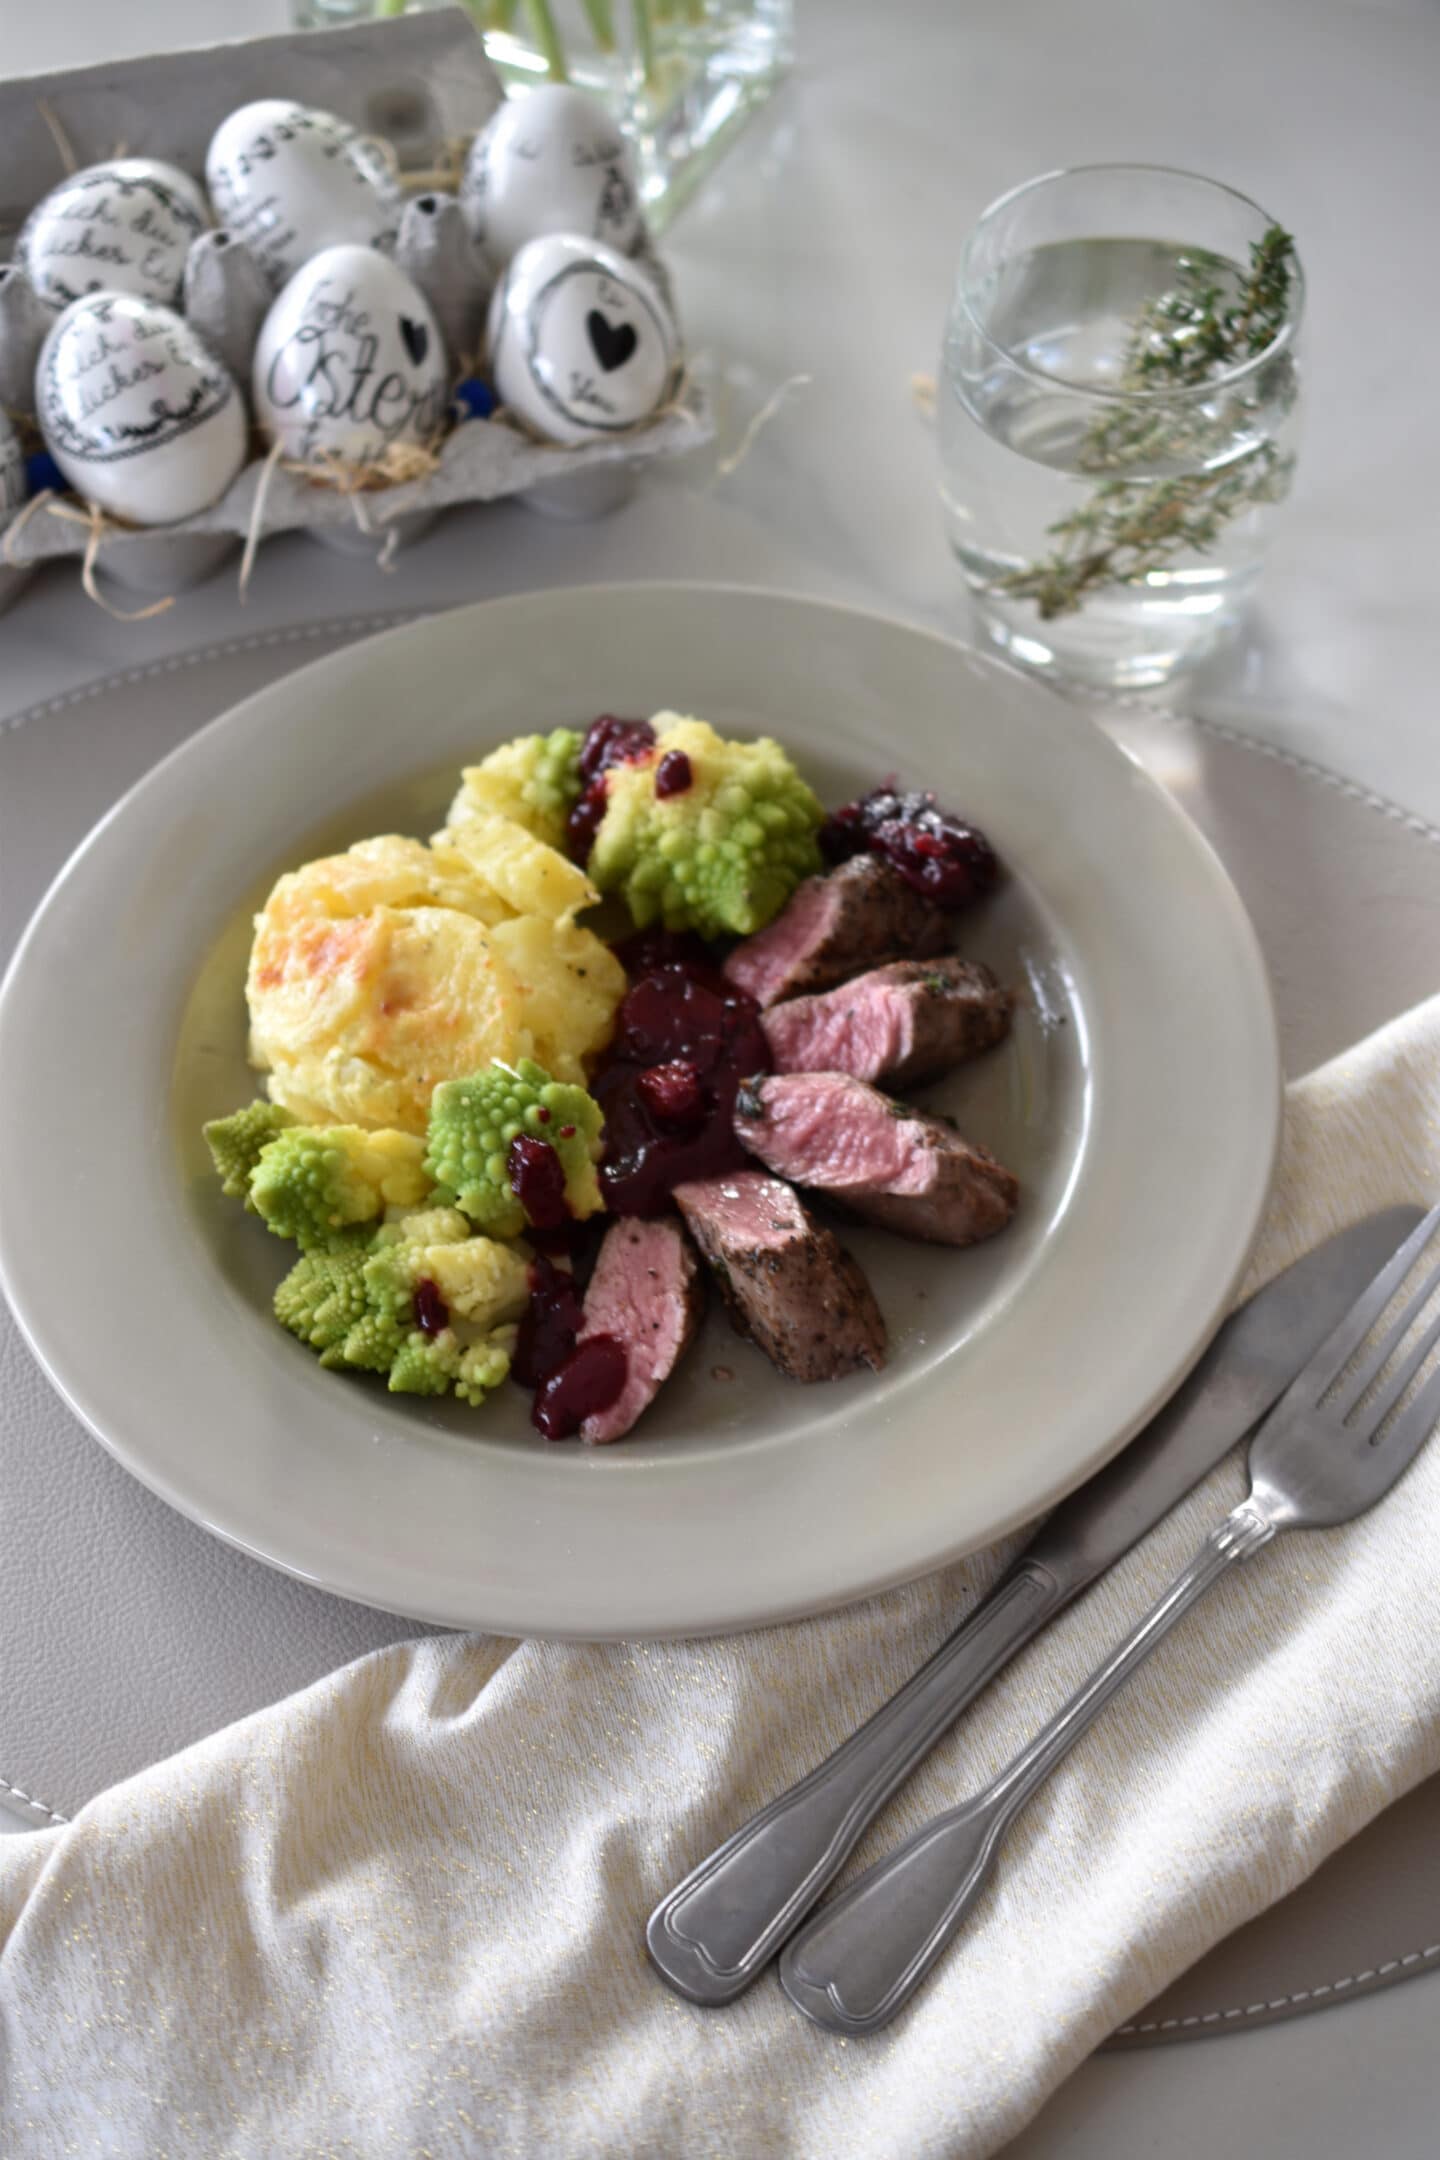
x: 1328, y: 1992
x: 41, y: 1807
x: 1212, y: 2021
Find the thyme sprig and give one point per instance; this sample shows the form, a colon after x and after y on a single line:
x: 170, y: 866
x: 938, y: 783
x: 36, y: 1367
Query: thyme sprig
x: 1130, y: 528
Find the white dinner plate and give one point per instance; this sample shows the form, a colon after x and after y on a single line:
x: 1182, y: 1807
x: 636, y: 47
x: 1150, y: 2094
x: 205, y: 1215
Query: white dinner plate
x: 1138, y: 1102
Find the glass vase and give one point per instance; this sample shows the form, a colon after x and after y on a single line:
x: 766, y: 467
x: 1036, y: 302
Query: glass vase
x: 681, y: 76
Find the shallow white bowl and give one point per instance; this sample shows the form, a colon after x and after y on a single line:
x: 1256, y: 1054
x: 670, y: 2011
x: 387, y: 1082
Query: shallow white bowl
x: 1138, y: 1101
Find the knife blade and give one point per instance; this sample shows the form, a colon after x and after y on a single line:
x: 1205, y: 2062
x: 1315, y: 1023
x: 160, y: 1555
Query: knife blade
x: 715, y: 1931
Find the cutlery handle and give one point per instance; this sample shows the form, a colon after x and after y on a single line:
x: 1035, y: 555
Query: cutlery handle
x: 862, y: 1957
x: 716, y: 1930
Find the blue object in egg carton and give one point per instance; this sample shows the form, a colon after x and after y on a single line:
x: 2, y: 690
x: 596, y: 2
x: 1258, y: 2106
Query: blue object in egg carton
x: 422, y: 83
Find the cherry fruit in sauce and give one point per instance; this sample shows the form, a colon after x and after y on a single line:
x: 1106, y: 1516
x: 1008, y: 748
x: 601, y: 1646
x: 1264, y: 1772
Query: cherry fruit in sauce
x: 537, y: 1179
x: 673, y: 775
x: 684, y: 1041
x: 432, y: 1314
x: 609, y: 741
x: 934, y: 850
x: 672, y: 1094
x: 549, y: 1325
x: 587, y: 1381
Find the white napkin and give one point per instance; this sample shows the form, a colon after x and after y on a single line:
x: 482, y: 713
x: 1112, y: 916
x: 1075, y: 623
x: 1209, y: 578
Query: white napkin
x: 401, y: 1913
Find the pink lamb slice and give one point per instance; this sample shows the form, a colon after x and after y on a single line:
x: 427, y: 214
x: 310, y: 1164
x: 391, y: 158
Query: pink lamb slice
x: 884, y: 1161
x: 905, y: 1023
x: 646, y: 1292
x: 834, y: 926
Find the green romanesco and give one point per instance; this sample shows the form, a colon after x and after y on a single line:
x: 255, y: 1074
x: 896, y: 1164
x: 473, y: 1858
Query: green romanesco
x: 720, y: 855
x: 235, y: 1143
x: 423, y: 1301
x: 477, y: 1280
x: 535, y: 780
x: 474, y: 1121
x: 323, y: 1299
x: 429, y: 1364
x: 316, y: 1184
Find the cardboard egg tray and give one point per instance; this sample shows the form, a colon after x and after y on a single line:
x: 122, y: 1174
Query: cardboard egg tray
x: 424, y: 84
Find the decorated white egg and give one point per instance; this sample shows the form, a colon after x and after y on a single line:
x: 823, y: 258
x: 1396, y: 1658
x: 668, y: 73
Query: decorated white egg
x: 582, y: 343
x: 349, y: 360
x: 13, y: 488
x: 552, y: 161
x: 125, y: 226
x: 140, y: 417
x: 289, y: 180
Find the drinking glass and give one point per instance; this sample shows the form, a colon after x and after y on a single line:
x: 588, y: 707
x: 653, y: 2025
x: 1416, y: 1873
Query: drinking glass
x: 1118, y: 417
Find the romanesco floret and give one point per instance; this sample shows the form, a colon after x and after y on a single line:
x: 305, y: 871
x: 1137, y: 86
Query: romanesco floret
x: 721, y: 855
x: 477, y: 1280
x: 429, y: 1364
x: 474, y: 1121
x: 317, y: 1183
x: 535, y: 780
x: 323, y: 1299
x: 484, y: 1364
x: 235, y: 1143
x: 423, y: 1301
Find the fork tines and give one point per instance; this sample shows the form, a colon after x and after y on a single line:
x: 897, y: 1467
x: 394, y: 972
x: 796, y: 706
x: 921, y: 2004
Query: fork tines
x: 1333, y: 1359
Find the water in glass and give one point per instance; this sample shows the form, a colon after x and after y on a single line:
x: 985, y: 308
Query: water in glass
x: 1034, y: 425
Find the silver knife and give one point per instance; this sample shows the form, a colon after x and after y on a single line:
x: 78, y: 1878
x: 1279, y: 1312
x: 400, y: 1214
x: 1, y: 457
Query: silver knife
x: 713, y: 1934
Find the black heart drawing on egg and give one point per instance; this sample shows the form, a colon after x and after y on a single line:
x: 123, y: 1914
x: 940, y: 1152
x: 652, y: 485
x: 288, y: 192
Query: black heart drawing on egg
x: 613, y: 343
x: 417, y: 339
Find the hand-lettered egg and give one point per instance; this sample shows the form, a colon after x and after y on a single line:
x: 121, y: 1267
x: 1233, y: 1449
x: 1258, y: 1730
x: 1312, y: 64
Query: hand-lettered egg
x: 349, y: 360
x: 289, y: 181
x: 550, y: 161
x: 13, y: 488
x: 582, y: 344
x: 125, y: 226
x: 140, y: 417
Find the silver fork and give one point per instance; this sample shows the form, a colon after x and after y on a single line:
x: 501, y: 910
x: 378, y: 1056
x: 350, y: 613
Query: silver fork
x: 1333, y: 1445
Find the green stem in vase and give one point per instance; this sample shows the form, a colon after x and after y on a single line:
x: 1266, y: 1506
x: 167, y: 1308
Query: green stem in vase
x: 1131, y: 528
x: 602, y: 24
x: 644, y: 39
x: 498, y: 14
x: 547, y: 37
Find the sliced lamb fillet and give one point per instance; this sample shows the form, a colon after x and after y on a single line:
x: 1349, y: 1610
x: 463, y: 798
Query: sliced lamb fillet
x: 834, y: 926
x: 789, y: 1284
x: 646, y: 1292
x: 907, y: 1022
x: 884, y: 1161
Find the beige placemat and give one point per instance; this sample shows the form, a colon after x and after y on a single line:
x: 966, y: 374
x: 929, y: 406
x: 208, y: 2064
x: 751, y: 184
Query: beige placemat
x: 126, y: 1633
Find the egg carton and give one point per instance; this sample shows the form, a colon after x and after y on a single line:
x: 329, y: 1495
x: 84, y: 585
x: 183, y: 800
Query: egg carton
x: 421, y: 82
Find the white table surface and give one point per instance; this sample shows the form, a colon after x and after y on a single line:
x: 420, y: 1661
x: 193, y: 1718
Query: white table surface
x: 827, y: 245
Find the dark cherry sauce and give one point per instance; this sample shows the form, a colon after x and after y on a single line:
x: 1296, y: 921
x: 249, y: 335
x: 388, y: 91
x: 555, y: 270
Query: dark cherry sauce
x: 673, y: 1095
x: 550, y: 1323
x: 934, y: 850
x: 612, y: 741
x: 652, y: 949
x: 609, y: 741
x: 432, y: 1314
x: 586, y: 1382
x: 537, y: 1179
x: 684, y: 1041
x: 673, y: 775
x: 571, y: 1382
x: 584, y: 822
